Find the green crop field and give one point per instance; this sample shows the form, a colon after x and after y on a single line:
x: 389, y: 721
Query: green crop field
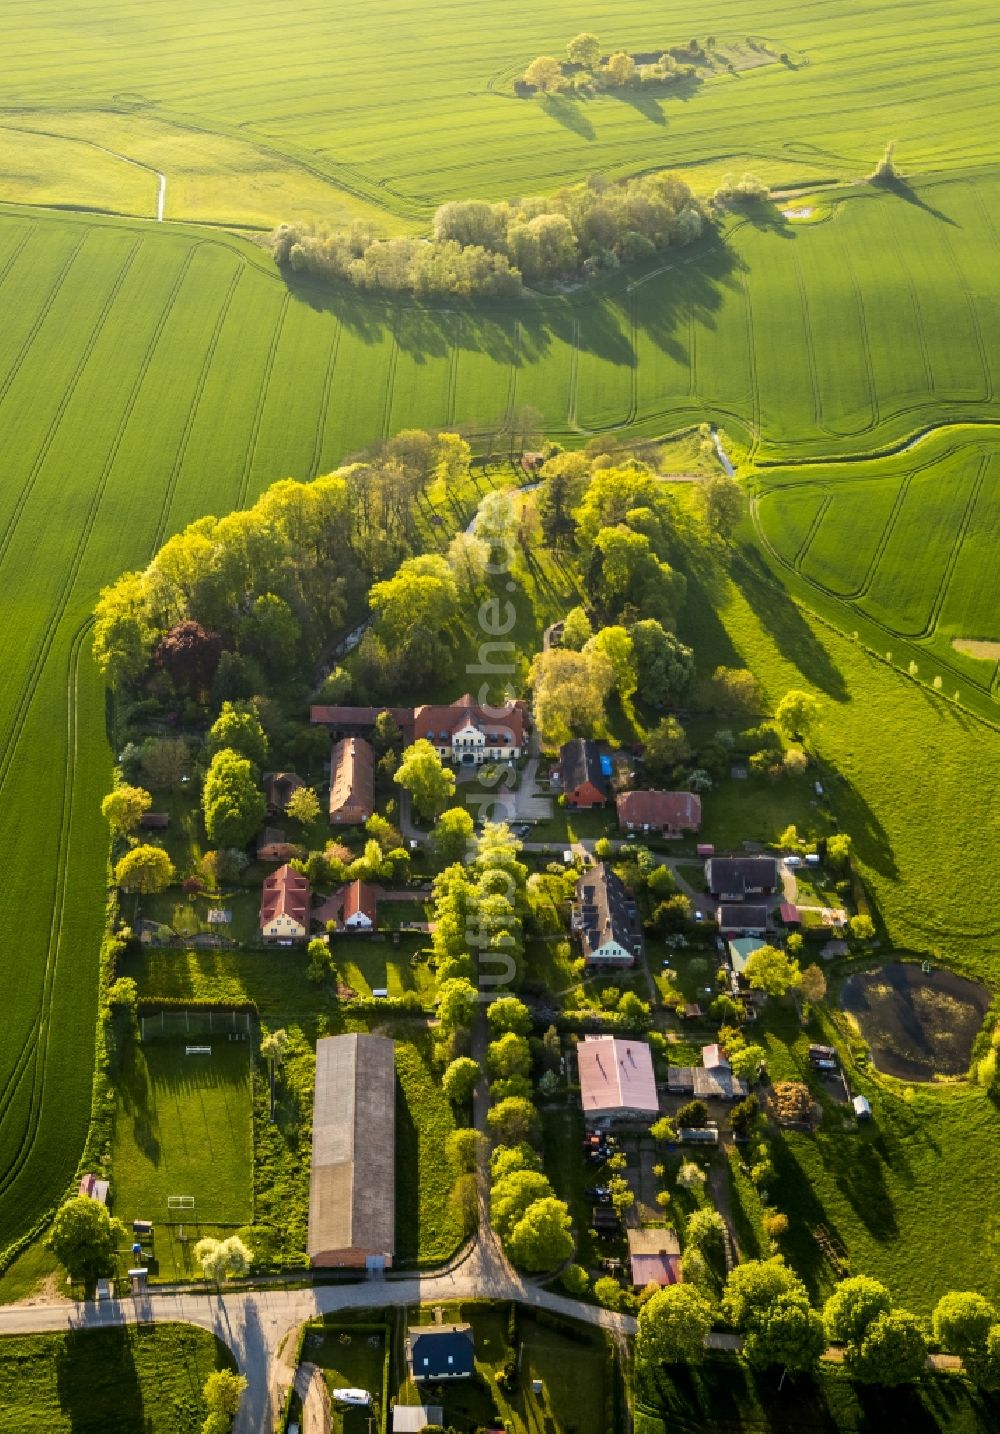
x: 255, y: 115
x: 149, y: 1379
x: 900, y: 550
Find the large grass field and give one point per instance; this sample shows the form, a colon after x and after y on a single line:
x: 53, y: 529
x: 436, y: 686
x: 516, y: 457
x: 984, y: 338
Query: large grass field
x: 183, y: 1127
x: 108, y: 1381
x: 257, y: 115
x: 148, y: 375
x: 899, y: 549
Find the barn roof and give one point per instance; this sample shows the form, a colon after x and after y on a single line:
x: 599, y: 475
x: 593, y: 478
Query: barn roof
x: 352, y: 1204
x: 616, y: 1075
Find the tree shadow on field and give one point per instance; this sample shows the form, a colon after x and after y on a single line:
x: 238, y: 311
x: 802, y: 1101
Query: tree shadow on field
x: 86, y: 1394
x: 136, y: 1096
x: 868, y: 836
x: 904, y: 191
x: 569, y: 114
x: 646, y: 104
x: 658, y: 298
x: 784, y: 621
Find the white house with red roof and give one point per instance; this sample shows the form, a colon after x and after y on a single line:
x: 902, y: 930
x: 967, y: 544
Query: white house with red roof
x: 284, y: 906
x: 360, y: 907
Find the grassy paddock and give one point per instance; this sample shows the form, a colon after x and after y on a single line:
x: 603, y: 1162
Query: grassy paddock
x: 150, y: 1379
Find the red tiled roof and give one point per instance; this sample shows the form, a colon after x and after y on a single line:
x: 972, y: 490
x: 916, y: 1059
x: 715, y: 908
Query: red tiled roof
x: 352, y: 777
x: 338, y: 716
x: 360, y: 897
x: 285, y: 893
x: 789, y: 913
x: 507, y: 721
x: 678, y: 810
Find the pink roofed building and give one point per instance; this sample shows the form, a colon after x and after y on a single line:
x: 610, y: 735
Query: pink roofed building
x: 654, y: 1257
x: 616, y: 1079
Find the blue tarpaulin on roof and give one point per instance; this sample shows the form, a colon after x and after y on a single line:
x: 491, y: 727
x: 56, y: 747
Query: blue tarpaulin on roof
x: 605, y: 765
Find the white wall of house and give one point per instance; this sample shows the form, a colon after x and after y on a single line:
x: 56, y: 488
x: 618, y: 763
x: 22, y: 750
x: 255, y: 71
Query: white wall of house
x: 610, y: 951
x: 284, y: 927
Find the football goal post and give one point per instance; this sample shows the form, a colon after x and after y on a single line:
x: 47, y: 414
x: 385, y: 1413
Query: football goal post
x: 181, y: 1206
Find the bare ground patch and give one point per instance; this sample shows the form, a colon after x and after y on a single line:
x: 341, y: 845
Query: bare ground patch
x: 977, y: 647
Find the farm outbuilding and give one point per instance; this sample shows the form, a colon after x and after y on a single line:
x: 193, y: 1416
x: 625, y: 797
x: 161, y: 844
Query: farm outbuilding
x: 352, y: 1186
x: 654, y: 1257
x: 616, y: 1078
x: 352, y: 782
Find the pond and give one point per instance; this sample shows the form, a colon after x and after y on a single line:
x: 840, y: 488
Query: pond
x: 918, y: 1024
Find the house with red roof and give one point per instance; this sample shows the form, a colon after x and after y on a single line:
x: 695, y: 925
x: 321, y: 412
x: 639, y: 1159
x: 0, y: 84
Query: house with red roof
x: 360, y: 907
x: 284, y: 906
x: 352, y: 782
x: 463, y: 732
x: 666, y: 814
x: 468, y: 734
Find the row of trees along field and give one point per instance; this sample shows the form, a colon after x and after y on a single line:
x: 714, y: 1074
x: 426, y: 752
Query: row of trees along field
x: 768, y: 1305
x: 488, y: 249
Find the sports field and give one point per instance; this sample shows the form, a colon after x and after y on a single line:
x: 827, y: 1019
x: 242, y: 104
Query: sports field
x: 183, y: 1126
x: 258, y: 114
x: 151, y: 374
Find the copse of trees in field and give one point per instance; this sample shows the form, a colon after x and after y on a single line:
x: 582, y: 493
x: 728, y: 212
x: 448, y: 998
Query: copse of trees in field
x: 479, y: 248
x: 585, y: 70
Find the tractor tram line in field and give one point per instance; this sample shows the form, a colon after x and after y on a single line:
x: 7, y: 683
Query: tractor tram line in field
x: 38, y: 1043
x: 34, y: 674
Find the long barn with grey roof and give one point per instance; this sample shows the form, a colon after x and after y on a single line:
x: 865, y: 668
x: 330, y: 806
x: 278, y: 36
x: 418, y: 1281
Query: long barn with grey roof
x: 352, y: 1187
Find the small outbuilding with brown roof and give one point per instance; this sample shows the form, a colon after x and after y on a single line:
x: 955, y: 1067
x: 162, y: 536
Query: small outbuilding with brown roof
x: 284, y: 906
x: 278, y: 787
x: 352, y: 782
x: 654, y: 1257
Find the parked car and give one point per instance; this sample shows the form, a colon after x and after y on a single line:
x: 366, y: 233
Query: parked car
x: 598, y: 1192
x: 792, y: 862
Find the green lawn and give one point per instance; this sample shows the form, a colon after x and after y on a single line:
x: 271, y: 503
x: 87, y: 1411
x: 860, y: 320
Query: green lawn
x: 351, y: 1356
x: 108, y: 1381
x: 579, y: 1394
x: 275, y: 980
x: 183, y: 1127
x: 428, y: 1229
